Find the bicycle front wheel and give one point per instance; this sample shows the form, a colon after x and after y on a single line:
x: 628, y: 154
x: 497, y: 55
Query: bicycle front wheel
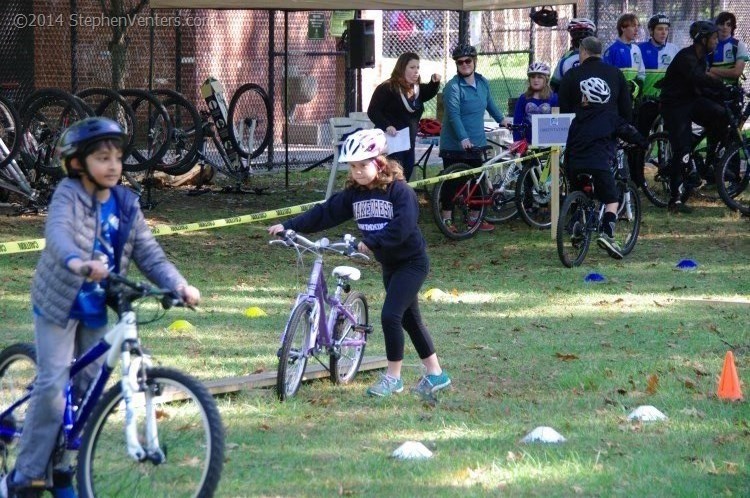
x: 458, y: 204
x: 732, y: 179
x: 352, y: 339
x: 190, y: 436
x: 17, y: 374
x: 573, y: 236
x: 250, y: 118
x: 293, y: 353
x: 655, y: 167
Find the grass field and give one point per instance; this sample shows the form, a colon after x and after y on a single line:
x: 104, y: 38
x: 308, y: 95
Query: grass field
x: 526, y: 341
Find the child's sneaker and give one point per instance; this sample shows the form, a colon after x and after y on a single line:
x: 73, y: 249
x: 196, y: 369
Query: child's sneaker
x: 430, y: 384
x: 386, y: 386
x: 483, y: 226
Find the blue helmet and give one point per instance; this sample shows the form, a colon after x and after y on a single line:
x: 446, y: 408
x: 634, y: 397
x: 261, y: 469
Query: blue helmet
x: 82, y: 134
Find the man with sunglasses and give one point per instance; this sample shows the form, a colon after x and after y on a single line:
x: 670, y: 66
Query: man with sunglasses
x: 466, y: 97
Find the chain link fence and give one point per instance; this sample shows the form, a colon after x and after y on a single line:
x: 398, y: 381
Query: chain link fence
x: 297, y: 57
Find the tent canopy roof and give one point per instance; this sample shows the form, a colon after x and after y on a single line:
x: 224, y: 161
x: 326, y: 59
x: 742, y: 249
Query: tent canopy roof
x: 353, y: 4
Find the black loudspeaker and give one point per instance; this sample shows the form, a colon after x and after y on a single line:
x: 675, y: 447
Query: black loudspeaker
x: 361, y: 47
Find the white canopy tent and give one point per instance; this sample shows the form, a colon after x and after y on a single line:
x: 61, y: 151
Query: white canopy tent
x: 466, y: 5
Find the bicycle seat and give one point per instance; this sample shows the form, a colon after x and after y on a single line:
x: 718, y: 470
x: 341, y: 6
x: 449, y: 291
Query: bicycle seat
x: 519, y: 147
x: 348, y: 272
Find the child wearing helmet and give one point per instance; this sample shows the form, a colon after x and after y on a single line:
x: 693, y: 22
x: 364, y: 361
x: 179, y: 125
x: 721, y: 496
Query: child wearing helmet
x: 598, y: 95
x: 386, y: 211
x: 94, y: 227
x: 537, y: 99
x: 578, y: 28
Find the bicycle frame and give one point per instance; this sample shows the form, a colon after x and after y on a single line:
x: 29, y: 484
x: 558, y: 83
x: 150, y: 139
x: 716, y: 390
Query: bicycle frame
x: 317, y: 294
x: 116, y: 344
x: 468, y: 189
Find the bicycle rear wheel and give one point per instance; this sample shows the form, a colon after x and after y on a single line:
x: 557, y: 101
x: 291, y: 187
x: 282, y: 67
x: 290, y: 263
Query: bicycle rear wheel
x: 112, y: 105
x: 153, y: 129
x: 293, y: 353
x: 655, y: 167
x: 628, y: 219
x: 732, y: 179
x: 45, y: 115
x: 250, y: 119
x: 187, y: 133
x: 573, y: 236
x: 10, y: 131
x: 17, y: 374
x: 534, y: 194
x: 462, y: 200
x: 346, y: 361
x: 190, y: 436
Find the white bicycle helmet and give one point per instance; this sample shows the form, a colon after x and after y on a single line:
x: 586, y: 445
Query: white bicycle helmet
x: 363, y: 145
x: 596, y: 90
x: 580, y: 27
x: 538, y: 68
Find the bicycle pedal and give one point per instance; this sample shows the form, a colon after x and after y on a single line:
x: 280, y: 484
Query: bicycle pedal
x: 367, y: 329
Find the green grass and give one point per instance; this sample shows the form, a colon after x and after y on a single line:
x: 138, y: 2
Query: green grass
x: 526, y: 341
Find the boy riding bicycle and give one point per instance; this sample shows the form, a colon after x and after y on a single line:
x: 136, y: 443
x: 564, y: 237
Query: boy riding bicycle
x: 94, y: 227
x: 599, y: 96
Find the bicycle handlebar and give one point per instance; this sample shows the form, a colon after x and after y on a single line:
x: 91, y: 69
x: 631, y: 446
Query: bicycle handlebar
x: 348, y: 247
x: 130, y: 290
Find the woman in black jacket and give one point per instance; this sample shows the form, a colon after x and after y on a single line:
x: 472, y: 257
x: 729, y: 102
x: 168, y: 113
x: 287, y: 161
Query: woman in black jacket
x: 398, y: 103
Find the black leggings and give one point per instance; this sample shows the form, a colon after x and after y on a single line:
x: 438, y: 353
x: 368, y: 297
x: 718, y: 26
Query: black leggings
x: 450, y: 186
x: 401, y: 308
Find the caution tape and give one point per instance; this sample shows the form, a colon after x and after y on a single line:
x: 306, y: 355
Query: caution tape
x: 158, y: 230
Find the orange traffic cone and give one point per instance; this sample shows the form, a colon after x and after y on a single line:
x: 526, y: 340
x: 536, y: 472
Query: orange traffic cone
x: 729, y: 383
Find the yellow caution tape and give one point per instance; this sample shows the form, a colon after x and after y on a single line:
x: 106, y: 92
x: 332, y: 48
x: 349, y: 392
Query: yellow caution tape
x: 38, y: 244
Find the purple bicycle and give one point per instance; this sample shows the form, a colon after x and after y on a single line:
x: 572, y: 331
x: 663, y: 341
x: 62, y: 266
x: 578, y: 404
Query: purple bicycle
x: 340, y: 334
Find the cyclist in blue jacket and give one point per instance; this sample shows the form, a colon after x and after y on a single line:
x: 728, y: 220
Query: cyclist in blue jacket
x: 386, y: 210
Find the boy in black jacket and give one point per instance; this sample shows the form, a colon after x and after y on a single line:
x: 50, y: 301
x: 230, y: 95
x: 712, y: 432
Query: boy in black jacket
x: 599, y: 96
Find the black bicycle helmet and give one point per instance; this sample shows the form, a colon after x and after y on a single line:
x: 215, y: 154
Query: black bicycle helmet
x: 702, y: 29
x: 656, y: 20
x: 463, y: 50
x: 545, y: 17
x: 81, y: 135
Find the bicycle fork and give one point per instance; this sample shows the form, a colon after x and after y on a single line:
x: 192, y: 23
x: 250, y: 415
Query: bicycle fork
x: 133, y: 381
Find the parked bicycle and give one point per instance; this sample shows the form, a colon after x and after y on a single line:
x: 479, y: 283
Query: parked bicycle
x: 155, y: 433
x: 340, y: 334
x: 462, y: 201
x: 534, y: 191
x: 581, y: 216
